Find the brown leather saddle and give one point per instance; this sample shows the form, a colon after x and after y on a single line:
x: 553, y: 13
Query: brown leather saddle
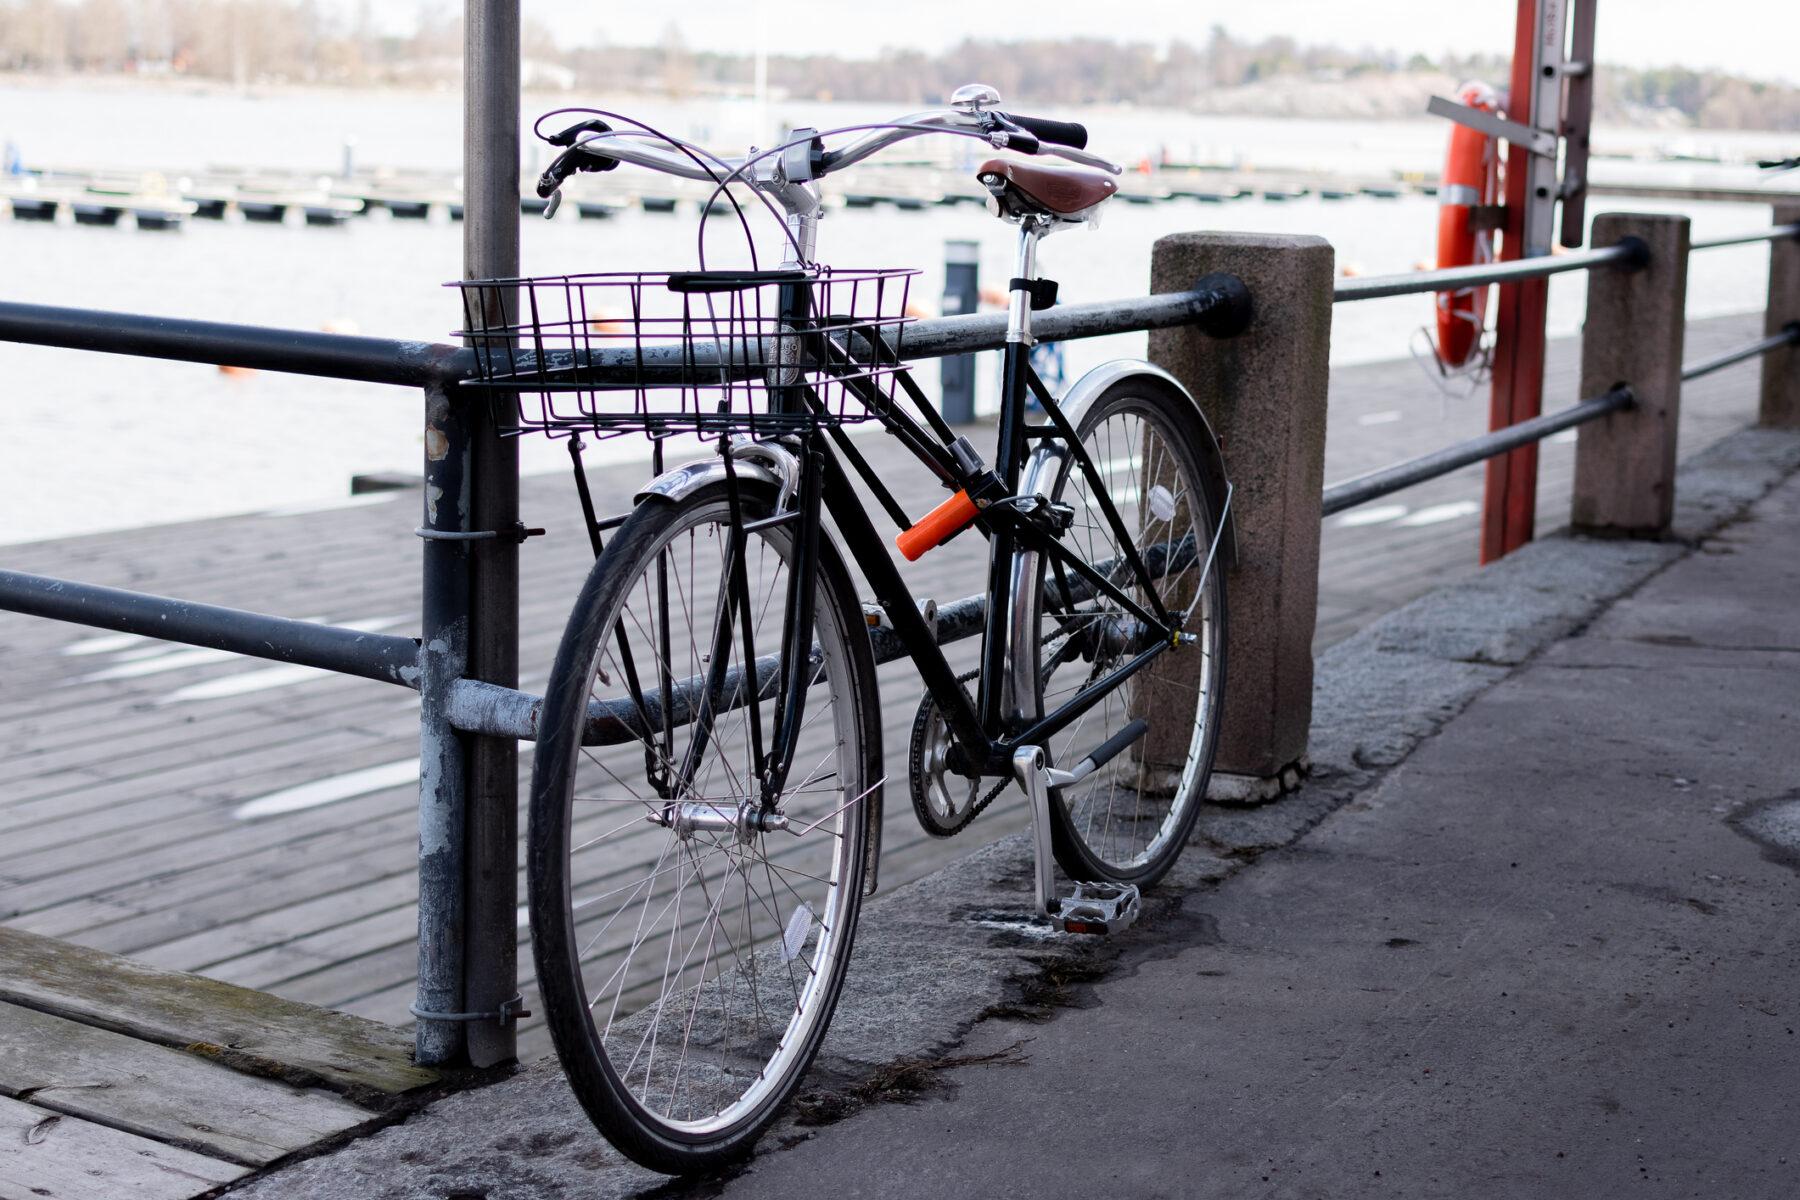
x: 1026, y: 188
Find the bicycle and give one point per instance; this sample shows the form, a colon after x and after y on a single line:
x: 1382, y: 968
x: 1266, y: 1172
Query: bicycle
x: 707, y: 791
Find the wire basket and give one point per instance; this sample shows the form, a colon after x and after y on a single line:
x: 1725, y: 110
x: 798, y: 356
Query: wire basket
x: 703, y: 352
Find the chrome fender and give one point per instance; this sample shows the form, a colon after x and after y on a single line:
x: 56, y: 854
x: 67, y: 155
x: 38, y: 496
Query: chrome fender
x: 1039, y: 474
x: 762, y: 461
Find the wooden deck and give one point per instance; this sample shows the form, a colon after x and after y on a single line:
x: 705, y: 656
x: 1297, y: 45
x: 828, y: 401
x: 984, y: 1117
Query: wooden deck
x: 118, y: 1079
x: 126, y: 765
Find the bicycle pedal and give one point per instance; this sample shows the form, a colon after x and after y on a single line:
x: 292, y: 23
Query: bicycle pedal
x: 1098, y: 908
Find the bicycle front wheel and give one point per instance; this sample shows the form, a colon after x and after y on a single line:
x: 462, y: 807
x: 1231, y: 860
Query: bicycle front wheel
x: 1128, y: 822
x: 690, y: 944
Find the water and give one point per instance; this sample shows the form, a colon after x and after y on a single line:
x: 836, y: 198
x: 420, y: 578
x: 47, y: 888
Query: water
x: 97, y: 442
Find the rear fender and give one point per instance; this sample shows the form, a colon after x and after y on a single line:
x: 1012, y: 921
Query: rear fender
x: 1040, y: 469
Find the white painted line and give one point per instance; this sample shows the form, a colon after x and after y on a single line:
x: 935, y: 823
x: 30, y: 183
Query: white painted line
x: 175, y: 660
x: 133, y: 664
x: 103, y: 645
x: 271, y: 677
x: 147, y: 650
x: 362, y: 501
x: 329, y: 791
x: 1563, y: 438
x: 244, y: 683
x: 1380, y: 418
x: 1439, y: 513
x: 1375, y: 514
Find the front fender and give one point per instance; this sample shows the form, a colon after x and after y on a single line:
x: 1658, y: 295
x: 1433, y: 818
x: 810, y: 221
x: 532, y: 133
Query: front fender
x: 683, y: 481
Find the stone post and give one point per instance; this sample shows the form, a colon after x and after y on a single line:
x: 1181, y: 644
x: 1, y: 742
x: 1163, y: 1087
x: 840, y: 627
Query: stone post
x: 1264, y: 394
x: 1625, y: 461
x: 1780, y: 406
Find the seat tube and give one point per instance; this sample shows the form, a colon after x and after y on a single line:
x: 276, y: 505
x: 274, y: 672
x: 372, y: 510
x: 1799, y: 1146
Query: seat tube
x: 1009, y: 461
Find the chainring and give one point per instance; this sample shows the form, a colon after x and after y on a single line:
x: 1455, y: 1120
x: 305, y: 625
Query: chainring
x: 944, y: 801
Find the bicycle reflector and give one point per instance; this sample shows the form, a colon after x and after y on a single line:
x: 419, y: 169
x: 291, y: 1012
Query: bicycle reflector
x: 938, y: 526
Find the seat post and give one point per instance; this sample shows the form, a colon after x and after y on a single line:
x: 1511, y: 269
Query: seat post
x: 1018, y: 314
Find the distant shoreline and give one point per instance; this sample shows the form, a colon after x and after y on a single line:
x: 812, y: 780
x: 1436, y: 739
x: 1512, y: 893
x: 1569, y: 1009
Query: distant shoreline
x: 1399, y: 96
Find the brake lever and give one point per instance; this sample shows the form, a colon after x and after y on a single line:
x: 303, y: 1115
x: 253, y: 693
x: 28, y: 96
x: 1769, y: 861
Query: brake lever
x: 1084, y: 158
x: 1004, y: 135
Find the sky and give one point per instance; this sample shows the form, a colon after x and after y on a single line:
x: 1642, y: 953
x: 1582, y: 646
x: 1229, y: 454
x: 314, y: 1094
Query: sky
x: 1760, y: 38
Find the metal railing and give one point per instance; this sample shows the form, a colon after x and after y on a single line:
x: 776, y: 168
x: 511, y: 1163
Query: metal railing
x: 1386, y: 481
x: 1630, y: 254
x: 1789, y: 336
x: 457, y: 704
x: 459, y: 475
x: 1213, y: 303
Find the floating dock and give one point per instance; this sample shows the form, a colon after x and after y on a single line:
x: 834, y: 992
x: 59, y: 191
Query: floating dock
x: 165, y: 200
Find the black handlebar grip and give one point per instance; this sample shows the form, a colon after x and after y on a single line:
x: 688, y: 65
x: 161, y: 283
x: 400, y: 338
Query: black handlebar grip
x: 567, y: 137
x: 1057, y: 133
x: 575, y: 158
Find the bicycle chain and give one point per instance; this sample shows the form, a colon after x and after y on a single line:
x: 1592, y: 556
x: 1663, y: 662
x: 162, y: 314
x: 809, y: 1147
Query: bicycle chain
x: 928, y: 820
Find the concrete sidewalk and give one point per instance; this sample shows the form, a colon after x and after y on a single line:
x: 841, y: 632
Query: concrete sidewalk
x: 1530, y: 930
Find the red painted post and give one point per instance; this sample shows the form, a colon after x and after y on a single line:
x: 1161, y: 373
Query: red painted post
x: 1510, y: 502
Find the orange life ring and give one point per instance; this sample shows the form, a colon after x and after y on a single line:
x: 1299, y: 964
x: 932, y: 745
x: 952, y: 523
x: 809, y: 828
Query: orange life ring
x: 1471, y: 177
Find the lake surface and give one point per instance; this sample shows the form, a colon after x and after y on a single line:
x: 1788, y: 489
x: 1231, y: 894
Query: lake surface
x: 97, y: 442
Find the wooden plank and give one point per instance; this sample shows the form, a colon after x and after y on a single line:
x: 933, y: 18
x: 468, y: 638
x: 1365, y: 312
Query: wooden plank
x: 152, y: 1091
x: 246, y: 1030
x: 49, y: 1156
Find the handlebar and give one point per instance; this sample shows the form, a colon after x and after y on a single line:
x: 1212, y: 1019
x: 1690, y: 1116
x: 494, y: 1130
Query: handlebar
x: 1028, y: 135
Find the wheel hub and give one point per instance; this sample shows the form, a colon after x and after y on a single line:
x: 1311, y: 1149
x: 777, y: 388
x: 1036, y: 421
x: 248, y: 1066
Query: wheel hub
x: 744, y: 819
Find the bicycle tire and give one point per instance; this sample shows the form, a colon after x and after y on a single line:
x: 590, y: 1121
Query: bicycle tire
x: 1088, y: 846
x: 676, y: 1139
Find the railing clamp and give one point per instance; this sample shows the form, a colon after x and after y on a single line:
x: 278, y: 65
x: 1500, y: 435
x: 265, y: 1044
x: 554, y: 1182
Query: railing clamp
x: 1230, y: 309
x: 509, y: 1011
x: 515, y: 533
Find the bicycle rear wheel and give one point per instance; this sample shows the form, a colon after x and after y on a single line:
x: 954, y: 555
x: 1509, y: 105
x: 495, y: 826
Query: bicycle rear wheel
x: 689, y: 949
x: 1128, y: 822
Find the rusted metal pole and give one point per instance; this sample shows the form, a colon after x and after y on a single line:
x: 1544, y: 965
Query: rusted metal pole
x: 490, y: 250
x: 443, y: 752
x: 1510, y: 502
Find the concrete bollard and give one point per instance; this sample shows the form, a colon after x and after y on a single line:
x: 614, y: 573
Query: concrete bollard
x: 1625, y: 462
x: 1780, y: 406
x: 1264, y: 394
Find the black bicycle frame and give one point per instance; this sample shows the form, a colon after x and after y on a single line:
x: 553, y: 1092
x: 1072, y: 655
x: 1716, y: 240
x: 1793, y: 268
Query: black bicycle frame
x: 986, y: 733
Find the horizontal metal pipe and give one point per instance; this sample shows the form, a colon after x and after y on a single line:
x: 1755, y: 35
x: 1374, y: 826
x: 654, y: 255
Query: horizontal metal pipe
x: 495, y: 711
x: 330, y: 648
x: 297, y: 352
x: 1787, y: 337
x: 1629, y: 253
x: 1362, y: 489
x: 1217, y: 303
x: 1772, y: 234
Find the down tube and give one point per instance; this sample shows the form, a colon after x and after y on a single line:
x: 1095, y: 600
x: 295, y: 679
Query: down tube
x: 891, y: 592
